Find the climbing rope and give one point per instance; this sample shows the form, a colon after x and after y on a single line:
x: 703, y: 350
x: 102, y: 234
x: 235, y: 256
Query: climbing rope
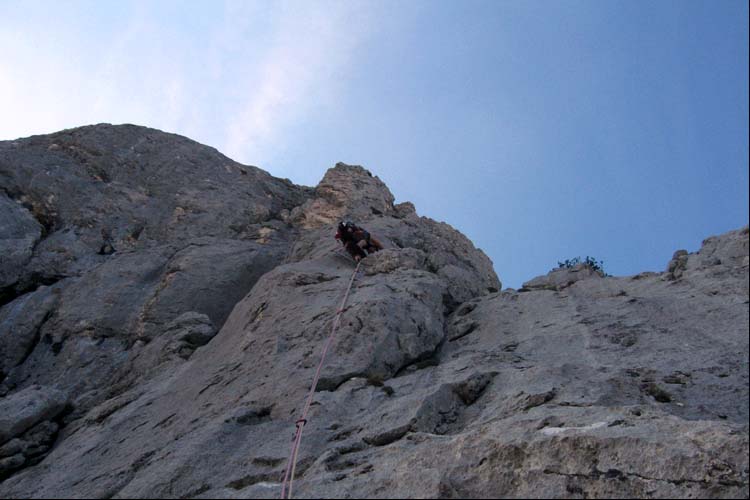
x: 300, y: 423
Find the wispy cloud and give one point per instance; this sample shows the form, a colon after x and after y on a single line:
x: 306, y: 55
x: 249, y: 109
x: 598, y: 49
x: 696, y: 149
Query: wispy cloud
x: 54, y: 74
x: 300, y: 72
x: 238, y: 82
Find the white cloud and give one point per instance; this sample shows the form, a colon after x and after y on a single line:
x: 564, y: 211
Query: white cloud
x: 238, y: 84
x: 53, y: 78
x: 299, y: 73
x: 28, y: 101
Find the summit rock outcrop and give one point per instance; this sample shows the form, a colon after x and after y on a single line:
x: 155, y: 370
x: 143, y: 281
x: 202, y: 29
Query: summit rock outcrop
x: 164, y: 307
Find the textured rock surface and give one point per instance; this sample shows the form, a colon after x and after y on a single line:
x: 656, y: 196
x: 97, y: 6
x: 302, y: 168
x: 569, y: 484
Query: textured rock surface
x: 28, y: 426
x: 345, y: 191
x: 560, y: 278
x: 130, y: 227
x: 438, y: 384
x: 24, y: 409
x: 189, y: 331
x: 19, y: 234
x: 21, y: 323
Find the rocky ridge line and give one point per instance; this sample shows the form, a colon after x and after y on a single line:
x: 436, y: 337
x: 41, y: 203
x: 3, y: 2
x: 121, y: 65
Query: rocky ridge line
x: 172, y: 303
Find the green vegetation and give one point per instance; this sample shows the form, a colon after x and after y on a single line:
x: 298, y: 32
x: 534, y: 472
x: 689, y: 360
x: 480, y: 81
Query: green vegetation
x: 596, y: 265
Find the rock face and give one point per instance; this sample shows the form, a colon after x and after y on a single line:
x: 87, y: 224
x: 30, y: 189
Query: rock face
x: 20, y: 233
x: 112, y: 233
x: 130, y: 248
x: 27, y: 425
x: 560, y: 278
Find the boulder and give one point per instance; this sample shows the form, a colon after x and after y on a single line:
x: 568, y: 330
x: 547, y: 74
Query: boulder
x: 24, y: 409
x: 188, y: 332
x: 346, y: 192
x: 561, y: 278
x: 21, y: 322
x: 678, y: 264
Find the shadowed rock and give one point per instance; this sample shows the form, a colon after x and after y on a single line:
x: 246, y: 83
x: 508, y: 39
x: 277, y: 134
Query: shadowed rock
x: 560, y: 278
x: 189, y: 331
x: 24, y: 409
x: 19, y: 234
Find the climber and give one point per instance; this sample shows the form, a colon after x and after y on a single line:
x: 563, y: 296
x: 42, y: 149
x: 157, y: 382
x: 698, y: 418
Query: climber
x: 357, y: 240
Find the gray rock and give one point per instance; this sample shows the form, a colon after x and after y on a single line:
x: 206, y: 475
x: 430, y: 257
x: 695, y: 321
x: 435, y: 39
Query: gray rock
x: 390, y: 260
x: 104, y: 189
x: 561, y: 278
x: 59, y: 255
x: 158, y: 183
x: 346, y: 192
x: 548, y: 394
x: 188, y: 332
x: 12, y: 447
x: 466, y: 270
x: 678, y: 264
x: 19, y: 234
x: 24, y: 409
x: 394, y: 322
x: 29, y: 449
x: 437, y: 384
x: 9, y: 464
x: 133, y: 296
x: 405, y: 209
x: 730, y: 249
x: 20, y: 325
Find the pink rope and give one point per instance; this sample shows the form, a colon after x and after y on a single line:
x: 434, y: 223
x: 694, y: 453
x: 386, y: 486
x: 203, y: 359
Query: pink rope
x: 292, y: 463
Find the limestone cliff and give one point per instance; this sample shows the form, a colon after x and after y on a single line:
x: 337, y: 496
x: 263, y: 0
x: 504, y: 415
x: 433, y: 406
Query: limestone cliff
x: 162, y: 310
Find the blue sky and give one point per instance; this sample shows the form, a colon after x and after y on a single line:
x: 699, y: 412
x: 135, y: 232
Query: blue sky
x: 542, y: 130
